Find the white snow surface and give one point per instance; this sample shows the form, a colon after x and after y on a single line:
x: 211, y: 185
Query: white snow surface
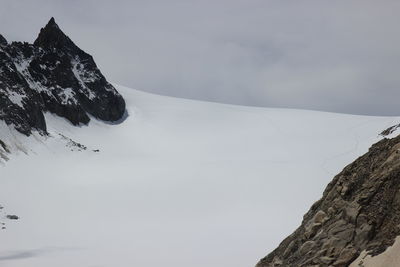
x: 68, y: 96
x: 16, y: 98
x: 179, y: 183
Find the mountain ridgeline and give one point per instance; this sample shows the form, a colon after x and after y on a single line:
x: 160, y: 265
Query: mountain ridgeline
x: 53, y: 75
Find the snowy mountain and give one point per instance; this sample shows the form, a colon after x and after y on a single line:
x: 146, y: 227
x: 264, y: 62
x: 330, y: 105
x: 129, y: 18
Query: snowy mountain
x: 53, y: 75
x: 178, y: 183
x: 155, y: 180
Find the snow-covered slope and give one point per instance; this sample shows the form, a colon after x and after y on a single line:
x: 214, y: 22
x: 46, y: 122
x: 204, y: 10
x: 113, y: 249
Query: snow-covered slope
x: 178, y: 183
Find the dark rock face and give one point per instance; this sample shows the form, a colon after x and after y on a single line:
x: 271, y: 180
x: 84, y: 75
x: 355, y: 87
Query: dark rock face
x: 3, y: 153
x: 390, y: 130
x: 3, y: 41
x: 359, y: 210
x: 53, y: 75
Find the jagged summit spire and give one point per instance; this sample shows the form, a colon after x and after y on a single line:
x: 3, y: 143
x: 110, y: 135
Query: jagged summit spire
x: 52, y: 21
x: 51, y: 36
x: 52, y: 24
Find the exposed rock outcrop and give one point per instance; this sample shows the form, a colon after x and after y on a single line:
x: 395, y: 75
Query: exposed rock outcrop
x: 390, y: 130
x: 53, y: 75
x: 359, y: 210
x: 3, y: 151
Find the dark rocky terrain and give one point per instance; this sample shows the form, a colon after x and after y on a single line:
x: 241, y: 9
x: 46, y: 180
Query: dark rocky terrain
x: 359, y: 210
x: 53, y: 75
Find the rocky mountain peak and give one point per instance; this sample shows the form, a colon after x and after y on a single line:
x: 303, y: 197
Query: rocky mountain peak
x: 52, y: 22
x: 51, y: 36
x: 53, y: 75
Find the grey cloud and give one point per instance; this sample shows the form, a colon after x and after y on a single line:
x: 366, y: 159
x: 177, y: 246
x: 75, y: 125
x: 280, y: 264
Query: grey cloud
x: 340, y: 56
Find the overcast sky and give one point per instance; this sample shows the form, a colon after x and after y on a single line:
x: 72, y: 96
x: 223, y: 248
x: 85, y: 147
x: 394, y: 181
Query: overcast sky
x: 341, y: 56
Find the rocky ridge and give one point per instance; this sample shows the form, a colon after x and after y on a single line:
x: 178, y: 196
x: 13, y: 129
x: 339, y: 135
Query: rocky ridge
x: 52, y: 75
x: 359, y: 211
